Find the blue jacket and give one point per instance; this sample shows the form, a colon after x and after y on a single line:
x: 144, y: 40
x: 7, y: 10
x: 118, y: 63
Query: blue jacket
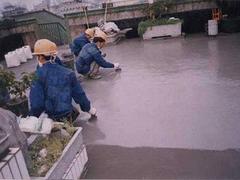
x: 89, y: 54
x: 79, y: 43
x: 53, y: 89
x: 57, y: 60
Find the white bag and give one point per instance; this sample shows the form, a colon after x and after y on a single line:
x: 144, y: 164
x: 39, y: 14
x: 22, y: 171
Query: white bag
x: 28, y: 52
x: 110, y: 27
x: 21, y: 55
x: 41, y: 125
x: 12, y: 60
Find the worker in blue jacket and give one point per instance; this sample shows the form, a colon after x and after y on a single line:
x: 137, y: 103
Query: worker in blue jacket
x: 90, y: 58
x: 83, y: 39
x: 55, y: 86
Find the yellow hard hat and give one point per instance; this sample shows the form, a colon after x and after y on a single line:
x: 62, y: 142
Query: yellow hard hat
x: 45, y: 47
x: 99, y: 33
x: 90, y: 32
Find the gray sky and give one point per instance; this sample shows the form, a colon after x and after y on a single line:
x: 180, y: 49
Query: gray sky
x: 28, y: 3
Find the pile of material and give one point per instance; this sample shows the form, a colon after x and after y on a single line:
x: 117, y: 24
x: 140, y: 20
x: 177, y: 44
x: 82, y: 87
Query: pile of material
x: 21, y: 55
x: 114, y: 34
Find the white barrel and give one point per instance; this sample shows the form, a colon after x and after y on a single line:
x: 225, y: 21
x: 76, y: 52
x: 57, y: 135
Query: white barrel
x: 21, y: 55
x: 28, y: 52
x: 212, y: 27
x: 12, y: 60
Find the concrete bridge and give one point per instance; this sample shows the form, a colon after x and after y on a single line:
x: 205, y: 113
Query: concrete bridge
x: 131, y: 13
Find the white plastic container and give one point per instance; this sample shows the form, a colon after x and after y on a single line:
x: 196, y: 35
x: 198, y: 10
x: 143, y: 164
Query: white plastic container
x: 28, y: 52
x: 212, y: 27
x: 12, y: 60
x: 21, y: 55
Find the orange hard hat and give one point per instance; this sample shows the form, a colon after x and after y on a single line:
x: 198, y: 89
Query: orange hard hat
x: 99, y: 33
x: 90, y: 32
x: 45, y: 47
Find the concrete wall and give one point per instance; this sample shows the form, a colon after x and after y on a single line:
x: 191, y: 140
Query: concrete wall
x: 76, y: 22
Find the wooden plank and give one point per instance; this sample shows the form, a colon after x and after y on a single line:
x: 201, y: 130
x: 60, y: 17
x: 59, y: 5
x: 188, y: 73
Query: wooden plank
x: 74, y: 172
x: 22, y: 165
x: 77, y: 168
x: 15, y: 169
x: 85, y: 154
x: 69, y: 176
x: 80, y: 162
x: 1, y: 176
x: 6, y: 172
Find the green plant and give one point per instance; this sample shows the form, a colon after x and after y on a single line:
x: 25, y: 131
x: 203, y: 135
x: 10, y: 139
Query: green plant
x: 142, y: 27
x: 6, y: 79
x: 18, y: 87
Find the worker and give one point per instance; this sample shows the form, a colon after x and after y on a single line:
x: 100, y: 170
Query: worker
x: 57, y: 60
x: 90, y: 58
x: 81, y: 41
x: 54, y: 86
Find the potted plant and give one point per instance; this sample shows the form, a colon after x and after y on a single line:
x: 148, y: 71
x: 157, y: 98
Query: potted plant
x: 18, y: 102
x: 155, y: 25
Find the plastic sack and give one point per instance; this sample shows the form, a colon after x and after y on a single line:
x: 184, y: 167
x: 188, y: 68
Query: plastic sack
x: 12, y: 60
x: 31, y: 124
x: 28, y: 52
x: 110, y: 27
x: 21, y: 55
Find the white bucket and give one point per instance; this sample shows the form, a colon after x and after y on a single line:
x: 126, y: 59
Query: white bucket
x: 12, y: 60
x: 21, y: 55
x: 28, y: 52
x: 212, y: 27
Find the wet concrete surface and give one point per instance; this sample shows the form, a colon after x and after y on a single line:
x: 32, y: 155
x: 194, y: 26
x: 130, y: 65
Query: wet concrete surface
x: 181, y: 94
x: 111, y: 162
x: 172, y: 112
x: 177, y: 93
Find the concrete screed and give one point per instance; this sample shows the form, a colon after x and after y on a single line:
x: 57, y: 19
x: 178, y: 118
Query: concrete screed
x: 173, y: 111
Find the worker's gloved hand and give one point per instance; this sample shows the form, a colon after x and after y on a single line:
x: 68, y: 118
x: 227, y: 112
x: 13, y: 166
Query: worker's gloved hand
x: 116, y: 66
x: 104, y: 55
x: 93, y: 111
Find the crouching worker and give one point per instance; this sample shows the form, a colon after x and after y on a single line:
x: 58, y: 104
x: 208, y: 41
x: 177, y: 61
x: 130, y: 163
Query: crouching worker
x: 90, y: 58
x: 81, y: 41
x: 54, y: 86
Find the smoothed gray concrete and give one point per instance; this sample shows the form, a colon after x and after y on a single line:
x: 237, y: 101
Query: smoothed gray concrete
x: 176, y: 93
x: 115, y: 162
x: 173, y: 111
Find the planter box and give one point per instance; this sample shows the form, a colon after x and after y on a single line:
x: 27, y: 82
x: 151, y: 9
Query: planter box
x: 72, y: 161
x: 169, y: 30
